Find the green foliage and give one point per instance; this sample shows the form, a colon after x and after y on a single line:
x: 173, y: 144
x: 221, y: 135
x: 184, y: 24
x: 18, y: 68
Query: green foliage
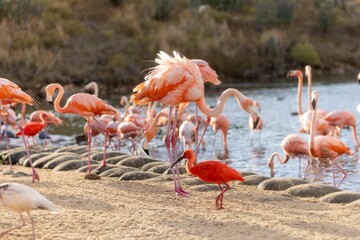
x: 305, y: 53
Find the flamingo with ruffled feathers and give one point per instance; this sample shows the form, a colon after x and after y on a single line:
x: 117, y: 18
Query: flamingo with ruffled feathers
x: 12, y: 93
x: 85, y: 105
x: 177, y: 80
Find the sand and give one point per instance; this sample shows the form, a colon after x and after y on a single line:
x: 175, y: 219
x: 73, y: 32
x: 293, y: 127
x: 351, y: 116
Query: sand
x: 112, y: 209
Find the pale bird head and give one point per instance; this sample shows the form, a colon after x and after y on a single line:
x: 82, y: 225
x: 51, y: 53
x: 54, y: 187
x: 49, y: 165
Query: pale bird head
x: 294, y: 73
x: 308, y: 70
x: 314, y: 98
x: 50, y: 89
x: 207, y: 73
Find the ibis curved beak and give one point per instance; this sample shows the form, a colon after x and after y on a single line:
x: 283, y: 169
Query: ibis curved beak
x: 178, y: 160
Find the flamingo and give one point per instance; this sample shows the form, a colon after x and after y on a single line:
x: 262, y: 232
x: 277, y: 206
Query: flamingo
x: 326, y: 147
x: 85, y: 105
x: 259, y: 125
x: 129, y: 131
x: 21, y: 198
x: 50, y: 117
x: 221, y: 123
x: 293, y: 146
x: 177, y: 80
x: 33, y: 128
x: 11, y: 93
x: 187, y: 133
x: 321, y: 125
x: 212, y: 171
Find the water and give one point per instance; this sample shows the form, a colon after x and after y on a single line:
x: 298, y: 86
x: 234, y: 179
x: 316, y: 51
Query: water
x: 278, y: 108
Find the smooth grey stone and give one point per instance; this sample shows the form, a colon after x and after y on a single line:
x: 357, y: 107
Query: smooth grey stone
x: 205, y: 188
x: 136, y: 161
x: 41, y: 162
x: 52, y: 148
x: 311, y: 190
x: 99, y: 156
x: 163, y: 168
x: 279, y: 184
x: 103, y: 169
x: 150, y: 165
x: 115, y: 160
x: 72, y: 165
x: 84, y: 168
x: 34, y: 157
x: 253, y: 180
x: 341, y: 197
x: 161, y: 178
x: 247, y: 173
x: 355, y: 204
x: 16, y: 155
x: 182, y: 170
x: 137, y: 175
x: 73, y: 148
x: 192, y: 181
x: 118, y: 171
x: 60, y: 159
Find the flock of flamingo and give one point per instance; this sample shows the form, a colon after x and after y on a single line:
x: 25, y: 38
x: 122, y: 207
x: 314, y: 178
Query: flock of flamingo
x: 174, y: 83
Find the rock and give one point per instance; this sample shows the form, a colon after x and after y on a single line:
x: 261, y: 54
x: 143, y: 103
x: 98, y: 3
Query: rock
x: 16, y: 155
x: 84, y: 168
x: 311, y: 190
x: 115, y: 160
x: 60, y: 159
x: 41, y: 162
x: 162, y: 168
x: 253, y: 180
x: 92, y: 176
x: 92, y: 151
x: 193, y: 181
x: 137, y: 175
x: 247, y: 173
x: 355, y: 204
x: 205, y: 188
x: 98, y: 156
x: 182, y: 170
x: 118, y: 171
x: 51, y: 148
x: 34, y: 157
x: 100, y: 170
x: 150, y: 165
x: 72, y: 165
x: 136, y: 161
x: 341, y: 197
x: 21, y: 174
x: 74, y: 149
x: 279, y: 184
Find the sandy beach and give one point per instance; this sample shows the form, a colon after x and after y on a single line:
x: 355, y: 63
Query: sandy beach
x: 112, y: 209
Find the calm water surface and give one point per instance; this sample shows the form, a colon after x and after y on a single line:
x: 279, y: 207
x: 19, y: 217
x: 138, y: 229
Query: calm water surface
x: 278, y: 110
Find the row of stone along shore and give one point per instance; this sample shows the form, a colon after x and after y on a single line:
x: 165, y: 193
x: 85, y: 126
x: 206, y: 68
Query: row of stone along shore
x: 126, y: 167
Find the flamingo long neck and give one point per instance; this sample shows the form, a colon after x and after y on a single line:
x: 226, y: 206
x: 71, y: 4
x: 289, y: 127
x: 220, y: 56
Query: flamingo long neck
x: 299, y: 93
x: 282, y: 161
x: 213, y: 112
x: 309, y: 79
x: 355, y: 135
x: 95, y: 88
x: 23, y: 112
x: 43, y: 121
x: 58, y: 99
x: 312, y: 135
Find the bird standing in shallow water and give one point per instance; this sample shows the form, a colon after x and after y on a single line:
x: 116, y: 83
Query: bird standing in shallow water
x: 21, y: 198
x: 212, y: 171
x: 326, y: 147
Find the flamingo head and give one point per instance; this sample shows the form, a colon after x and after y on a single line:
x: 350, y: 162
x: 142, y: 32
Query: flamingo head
x: 314, y: 98
x: 294, y: 73
x: 253, y: 110
x: 207, y: 73
x: 359, y: 78
x: 50, y: 89
x: 307, y: 71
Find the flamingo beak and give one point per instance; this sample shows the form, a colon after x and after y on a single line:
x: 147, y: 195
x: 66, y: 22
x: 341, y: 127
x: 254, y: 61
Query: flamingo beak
x: 288, y: 75
x: 145, y: 148
x: 256, y: 121
x: 313, y: 103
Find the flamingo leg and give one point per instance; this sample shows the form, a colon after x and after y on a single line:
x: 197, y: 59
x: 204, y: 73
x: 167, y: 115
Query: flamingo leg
x: 208, y: 119
x: 307, y: 168
x: 32, y: 225
x: 89, y: 144
x: 7, y: 143
x: 16, y: 227
x: 106, y: 137
x: 35, y: 175
x: 299, y: 167
x: 344, y: 173
x: 196, y: 126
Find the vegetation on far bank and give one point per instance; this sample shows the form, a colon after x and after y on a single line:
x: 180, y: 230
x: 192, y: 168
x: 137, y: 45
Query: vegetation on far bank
x: 113, y: 41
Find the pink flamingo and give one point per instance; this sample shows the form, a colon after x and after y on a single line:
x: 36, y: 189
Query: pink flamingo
x: 86, y: 105
x: 221, y: 123
x: 326, y: 147
x: 177, y: 80
x: 187, y: 134
x: 293, y: 146
x: 11, y: 93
